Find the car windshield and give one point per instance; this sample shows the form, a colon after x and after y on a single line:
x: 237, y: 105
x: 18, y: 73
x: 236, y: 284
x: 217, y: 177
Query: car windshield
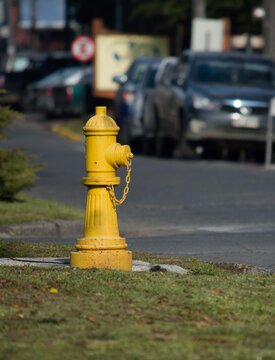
x: 20, y: 64
x: 69, y: 76
x: 233, y: 72
x: 136, y: 71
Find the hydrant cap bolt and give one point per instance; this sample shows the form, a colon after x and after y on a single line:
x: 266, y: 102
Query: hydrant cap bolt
x: 100, y: 110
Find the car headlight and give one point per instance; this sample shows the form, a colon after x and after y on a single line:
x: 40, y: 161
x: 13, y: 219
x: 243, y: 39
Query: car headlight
x: 201, y: 102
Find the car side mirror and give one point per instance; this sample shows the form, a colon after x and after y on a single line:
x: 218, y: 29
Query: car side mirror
x: 120, y: 79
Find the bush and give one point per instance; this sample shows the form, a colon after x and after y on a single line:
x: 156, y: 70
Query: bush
x: 6, y: 117
x: 17, y: 172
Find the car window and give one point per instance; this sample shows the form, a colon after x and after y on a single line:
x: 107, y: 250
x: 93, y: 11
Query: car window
x: 68, y: 76
x: 165, y: 78
x: 240, y: 72
x: 20, y: 64
x: 136, y: 72
x: 52, y: 79
x: 73, y: 78
x: 87, y: 78
x: 149, y: 80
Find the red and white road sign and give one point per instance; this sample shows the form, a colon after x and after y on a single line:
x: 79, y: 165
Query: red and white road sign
x: 83, y: 48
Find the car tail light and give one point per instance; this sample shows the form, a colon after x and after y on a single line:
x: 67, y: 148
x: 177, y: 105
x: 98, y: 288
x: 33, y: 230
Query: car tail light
x: 49, y: 91
x: 69, y: 92
x: 128, y: 96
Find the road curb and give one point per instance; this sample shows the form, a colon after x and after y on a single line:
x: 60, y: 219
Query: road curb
x: 57, y: 228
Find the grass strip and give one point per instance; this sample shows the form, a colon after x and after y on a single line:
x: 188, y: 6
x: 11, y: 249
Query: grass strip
x: 27, y: 209
x: 71, y: 129
x: 100, y: 314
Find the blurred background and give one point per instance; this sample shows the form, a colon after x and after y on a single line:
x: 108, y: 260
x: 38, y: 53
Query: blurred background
x: 48, y: 25
x: 62, y: 57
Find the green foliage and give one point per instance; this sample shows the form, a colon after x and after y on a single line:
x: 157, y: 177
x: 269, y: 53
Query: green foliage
x: 28, y: 209
x: 172, y: 12
x: 17, y: 172
x: 202, y: 268
x: 6, y: 117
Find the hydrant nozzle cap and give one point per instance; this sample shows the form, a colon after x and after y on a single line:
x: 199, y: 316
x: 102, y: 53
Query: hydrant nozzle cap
x: 100, y: 110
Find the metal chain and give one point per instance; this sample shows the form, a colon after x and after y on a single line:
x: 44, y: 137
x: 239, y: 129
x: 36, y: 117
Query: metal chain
x: 111, y: 189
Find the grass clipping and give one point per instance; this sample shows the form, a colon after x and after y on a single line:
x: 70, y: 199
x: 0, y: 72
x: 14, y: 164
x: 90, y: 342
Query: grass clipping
x: 100, y: 314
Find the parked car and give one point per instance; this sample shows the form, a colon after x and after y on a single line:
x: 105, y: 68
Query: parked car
x: 26, y: 67
x: 148, y: 119
x: 209, y: 98
x: 66, y: 91
x: 128, y: 84
x: 132, y: 126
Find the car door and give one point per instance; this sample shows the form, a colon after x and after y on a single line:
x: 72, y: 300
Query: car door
x: 162, y: 94
x: 175, y: 105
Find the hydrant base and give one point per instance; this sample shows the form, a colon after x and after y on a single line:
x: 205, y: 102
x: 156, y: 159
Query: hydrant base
x: 102, y: 259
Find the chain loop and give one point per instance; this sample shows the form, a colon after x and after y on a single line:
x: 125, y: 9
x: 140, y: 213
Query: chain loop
x: 111, y: 189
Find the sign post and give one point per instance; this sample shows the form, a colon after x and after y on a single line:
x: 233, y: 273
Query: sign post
x: 83, y: 48
x: 269, y: 133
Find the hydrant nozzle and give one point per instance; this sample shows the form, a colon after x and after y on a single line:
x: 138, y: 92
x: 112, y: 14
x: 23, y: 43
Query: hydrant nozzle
x: 102, y: 246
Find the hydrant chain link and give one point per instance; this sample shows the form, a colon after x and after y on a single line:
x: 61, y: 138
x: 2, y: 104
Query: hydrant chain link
x: 111, y: 189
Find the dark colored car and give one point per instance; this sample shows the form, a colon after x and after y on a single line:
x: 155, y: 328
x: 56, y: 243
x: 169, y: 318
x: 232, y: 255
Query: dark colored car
x: 128, y: 84
x: 66, y: 91
x: 26, y: 67
x: 213, y: 99
x: 132, y: 128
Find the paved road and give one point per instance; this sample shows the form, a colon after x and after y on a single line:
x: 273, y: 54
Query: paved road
x: 216, y: 211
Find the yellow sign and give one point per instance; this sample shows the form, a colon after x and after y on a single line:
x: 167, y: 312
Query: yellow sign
x: 115, y: 53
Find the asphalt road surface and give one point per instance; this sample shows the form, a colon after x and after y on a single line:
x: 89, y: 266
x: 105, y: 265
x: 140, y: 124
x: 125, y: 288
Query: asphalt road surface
x: 216, y: 211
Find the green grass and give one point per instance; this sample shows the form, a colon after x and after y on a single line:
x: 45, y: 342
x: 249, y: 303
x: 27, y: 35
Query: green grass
x: 10, y: 249
x: 71, y: 129
x: 98, y: 314
x: 28, y: 209
x: 74, y: 125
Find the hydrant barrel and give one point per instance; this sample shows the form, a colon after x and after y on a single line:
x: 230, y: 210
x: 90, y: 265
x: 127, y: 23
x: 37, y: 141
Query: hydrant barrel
x: 102, y: 246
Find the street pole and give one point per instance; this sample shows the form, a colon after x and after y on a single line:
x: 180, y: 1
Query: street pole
x: 269, y: 134
x: 33, y: 23
x: 269, y: 27
x: 11, y: 48
x: 118, y: 15
x: 198, y: 9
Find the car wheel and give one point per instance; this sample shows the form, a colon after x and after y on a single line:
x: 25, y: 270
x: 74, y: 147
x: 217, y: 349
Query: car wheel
x: 148, y: 145
x: 164, y: 147
x: 182, y: 149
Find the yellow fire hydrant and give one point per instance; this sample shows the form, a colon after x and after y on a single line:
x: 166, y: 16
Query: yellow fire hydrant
x: 102, y: 246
